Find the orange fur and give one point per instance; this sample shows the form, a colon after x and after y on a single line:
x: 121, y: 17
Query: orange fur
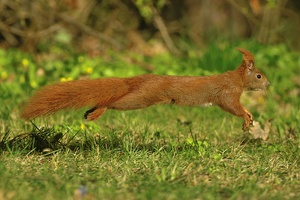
x: 142, y: 91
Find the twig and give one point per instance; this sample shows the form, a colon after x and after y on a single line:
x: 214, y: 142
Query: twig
x: 89, y: 30
x: 22, y: 33
x: 269, y: 29
x: 159, y: 22
x: 244, y: 12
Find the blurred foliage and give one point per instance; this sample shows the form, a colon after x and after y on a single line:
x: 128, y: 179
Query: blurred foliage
x: 145, y: 27
x: 145, y: 7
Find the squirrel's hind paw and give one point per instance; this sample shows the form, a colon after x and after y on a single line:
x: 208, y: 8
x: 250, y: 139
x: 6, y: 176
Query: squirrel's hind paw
x: 94, y: 113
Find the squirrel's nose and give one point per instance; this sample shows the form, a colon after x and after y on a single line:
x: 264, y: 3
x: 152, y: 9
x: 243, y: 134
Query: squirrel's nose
x: 267, y: 84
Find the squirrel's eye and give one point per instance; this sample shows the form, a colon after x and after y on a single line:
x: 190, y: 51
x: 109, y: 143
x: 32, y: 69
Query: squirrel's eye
x: 258, y: 76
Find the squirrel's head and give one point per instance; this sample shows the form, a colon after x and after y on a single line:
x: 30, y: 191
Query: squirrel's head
x: 253, y: 78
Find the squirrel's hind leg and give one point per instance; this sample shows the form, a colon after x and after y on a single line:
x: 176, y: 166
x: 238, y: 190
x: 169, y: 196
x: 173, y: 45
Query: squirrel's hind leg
x: 94, y: 113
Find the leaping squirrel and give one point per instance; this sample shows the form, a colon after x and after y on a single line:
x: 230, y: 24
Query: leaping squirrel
x: 137, y: 92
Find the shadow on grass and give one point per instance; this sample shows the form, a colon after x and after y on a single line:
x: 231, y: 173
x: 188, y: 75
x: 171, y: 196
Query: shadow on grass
x: 37, y: 140
x: 48, y: 140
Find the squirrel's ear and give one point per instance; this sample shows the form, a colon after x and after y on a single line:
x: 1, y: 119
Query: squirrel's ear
x: 248, y: 59
x: 250, y: 66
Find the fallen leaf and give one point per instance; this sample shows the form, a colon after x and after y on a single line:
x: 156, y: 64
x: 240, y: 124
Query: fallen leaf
x: 257, y: 132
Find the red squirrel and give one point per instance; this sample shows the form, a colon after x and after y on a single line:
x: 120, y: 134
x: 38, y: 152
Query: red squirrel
x: 137, y: 92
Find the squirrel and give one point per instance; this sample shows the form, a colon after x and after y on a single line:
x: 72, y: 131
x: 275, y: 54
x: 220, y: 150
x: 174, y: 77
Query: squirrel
x: 142, y: 91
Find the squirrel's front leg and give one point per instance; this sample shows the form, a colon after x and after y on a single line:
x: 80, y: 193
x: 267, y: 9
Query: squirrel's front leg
x: 237, y: 109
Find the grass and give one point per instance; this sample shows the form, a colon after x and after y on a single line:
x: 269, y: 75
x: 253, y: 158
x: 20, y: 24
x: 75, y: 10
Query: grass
x: 161, y: 152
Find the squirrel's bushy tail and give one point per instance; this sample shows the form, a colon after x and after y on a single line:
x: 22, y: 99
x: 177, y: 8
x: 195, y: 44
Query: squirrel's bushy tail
x: 74, y: 95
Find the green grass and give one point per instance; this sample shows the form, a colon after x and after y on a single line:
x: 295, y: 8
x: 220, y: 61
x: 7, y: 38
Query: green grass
x: 161, y: 152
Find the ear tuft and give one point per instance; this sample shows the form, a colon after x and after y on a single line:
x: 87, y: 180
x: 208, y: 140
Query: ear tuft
x: 247, y: 55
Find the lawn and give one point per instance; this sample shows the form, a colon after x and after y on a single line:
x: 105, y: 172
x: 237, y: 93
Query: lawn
x: 161, y: 152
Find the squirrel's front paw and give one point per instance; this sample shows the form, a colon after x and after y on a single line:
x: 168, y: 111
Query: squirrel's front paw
x: 250, y: 118
x: 245, y: 126
x: 248, y: 121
